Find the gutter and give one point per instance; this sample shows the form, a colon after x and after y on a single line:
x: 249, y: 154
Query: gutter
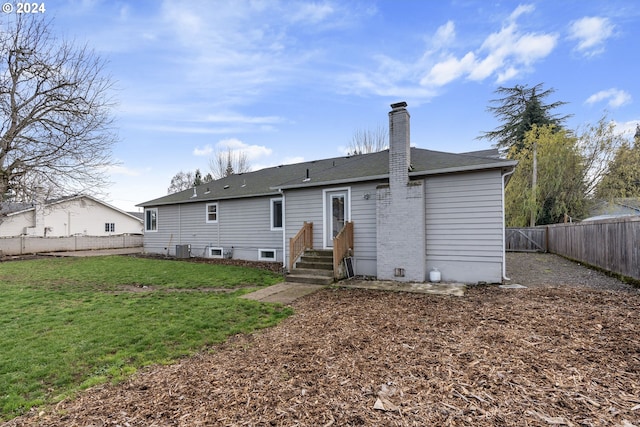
x: 152, y: 203
x: 416, y: 174
x: 284, y: 231
x: 504, y: 224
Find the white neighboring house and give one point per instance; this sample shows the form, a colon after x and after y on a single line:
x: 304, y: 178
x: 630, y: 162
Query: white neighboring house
x: 68, y: 216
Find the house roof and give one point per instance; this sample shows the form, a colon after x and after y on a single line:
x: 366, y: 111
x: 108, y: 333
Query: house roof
x: 605, y: 209
x: 10, y: 209
x: 491, y: 152
x: 337, y: 170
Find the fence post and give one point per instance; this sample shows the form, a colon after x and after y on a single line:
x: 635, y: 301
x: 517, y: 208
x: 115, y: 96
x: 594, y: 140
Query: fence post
x: 546, y: 238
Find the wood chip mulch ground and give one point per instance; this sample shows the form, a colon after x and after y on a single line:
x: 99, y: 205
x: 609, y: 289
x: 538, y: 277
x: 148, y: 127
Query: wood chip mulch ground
x: 541, y: 356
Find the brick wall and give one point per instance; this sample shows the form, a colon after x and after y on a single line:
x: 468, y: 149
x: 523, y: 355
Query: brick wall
x: 400, y: 221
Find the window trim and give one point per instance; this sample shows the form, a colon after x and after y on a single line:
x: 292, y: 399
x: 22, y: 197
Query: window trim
x: 272, y: 203
x: 206, y: 212
x: 262, y: 258
x: 147, y: 226
x: 109, y: 227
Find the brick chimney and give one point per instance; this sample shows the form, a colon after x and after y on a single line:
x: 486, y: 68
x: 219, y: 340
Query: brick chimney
x: 400, y: 209
x: 399, y: 145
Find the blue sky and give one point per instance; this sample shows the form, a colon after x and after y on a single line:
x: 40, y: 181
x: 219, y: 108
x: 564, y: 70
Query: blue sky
x: 289, y: 81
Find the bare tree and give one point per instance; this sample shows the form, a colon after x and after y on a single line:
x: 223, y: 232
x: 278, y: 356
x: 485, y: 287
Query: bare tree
x: 181, y: 181
x: 55, y: 113
x: 185, y: 180
x: 368, y: 141
x: 229, y: 162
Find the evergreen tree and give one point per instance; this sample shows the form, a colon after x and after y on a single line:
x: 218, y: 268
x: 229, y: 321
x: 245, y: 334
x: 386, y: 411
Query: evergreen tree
x: 519, y: 109
x: 197, y: 180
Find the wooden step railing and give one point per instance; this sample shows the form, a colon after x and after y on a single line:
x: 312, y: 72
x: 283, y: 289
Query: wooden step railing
x: 300, y: 242
x: 342, y: 247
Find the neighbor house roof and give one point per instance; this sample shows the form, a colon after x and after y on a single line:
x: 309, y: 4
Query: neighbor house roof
x: 9, y: 208
x: 605, y: 209
x: 337, y: 170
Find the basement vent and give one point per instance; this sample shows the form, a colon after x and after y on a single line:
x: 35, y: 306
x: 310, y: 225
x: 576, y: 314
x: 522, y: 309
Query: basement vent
x: 398, y: 272
x: 215, y: 252
x: 266, y: 254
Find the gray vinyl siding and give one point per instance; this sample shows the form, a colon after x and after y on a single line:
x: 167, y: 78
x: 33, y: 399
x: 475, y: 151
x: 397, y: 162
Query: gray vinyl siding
x: 464, y: 224
x: 303, y: 206
x: 307, y: 205
x: 243, y: 224
x: 363, y: 215
x: 163, y: 240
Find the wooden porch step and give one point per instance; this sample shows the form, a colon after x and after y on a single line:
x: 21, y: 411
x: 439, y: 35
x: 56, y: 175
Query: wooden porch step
x: 322, y: 253
x: 315, y: 266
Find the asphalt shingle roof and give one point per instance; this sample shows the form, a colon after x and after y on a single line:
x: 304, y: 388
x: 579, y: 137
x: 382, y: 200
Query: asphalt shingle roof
x: 359, y: 168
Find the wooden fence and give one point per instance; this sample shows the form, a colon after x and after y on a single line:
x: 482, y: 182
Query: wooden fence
x: 533, y: 239
x: 610, y: 244
x: 22, y: 245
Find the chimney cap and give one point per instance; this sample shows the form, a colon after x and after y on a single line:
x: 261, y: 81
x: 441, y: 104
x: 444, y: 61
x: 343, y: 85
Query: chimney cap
x: 399, y: 105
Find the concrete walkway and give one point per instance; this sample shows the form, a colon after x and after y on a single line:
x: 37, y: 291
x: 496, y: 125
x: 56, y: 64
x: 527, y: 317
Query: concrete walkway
x: 287, y: 292
x: 283, y: 293
x: 456, y: 289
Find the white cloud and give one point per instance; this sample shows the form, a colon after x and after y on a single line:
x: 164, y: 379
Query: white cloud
x: 614, y: 97
x: 198, y: 130
x: 449, y: 70
x: 627, y: 129
x: 252, y: 152
x: 591, y: 32
x: 238, y: 50
x: 204, y: 151
x: 445, y: 34
x: 312, y: 12
x: 238, y: 118
x: 510, y: 52
x: 122, y: 170
x: 532, y: 47
x: 521, y: 10
x: 502, y: 55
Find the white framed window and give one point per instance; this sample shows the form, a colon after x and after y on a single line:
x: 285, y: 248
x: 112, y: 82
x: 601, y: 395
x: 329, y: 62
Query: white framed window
x: 266, y: 255
x: 276, y: 214
x: 109, y: 227
x: 212, y: 212
x: 151, y: 219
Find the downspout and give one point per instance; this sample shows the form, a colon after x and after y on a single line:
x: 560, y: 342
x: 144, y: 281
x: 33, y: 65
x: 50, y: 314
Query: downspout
x: 284, y: 232
x: 504, y: 224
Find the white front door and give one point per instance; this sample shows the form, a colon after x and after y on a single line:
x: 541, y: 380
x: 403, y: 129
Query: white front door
x: 336, y: 214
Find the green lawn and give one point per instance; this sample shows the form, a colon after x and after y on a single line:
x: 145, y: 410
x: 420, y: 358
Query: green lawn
x: 70, y: 323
